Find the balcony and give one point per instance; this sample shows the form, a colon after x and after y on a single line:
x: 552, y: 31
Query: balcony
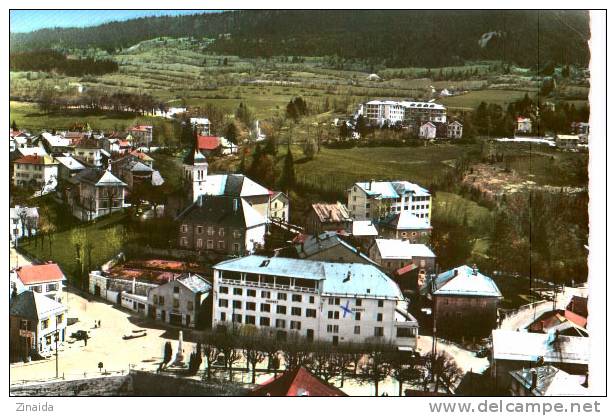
x: 267, y: 285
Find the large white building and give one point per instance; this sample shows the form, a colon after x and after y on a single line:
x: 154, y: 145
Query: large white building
x: 332, y: 302
x: 380, y: 112
x: 377, y: 199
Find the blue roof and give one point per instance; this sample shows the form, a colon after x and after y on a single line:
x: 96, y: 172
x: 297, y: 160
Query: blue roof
x: 462, y: 282
x: 352, y: 279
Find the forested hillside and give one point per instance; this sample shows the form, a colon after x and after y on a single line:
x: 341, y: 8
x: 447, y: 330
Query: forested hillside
x: 427, y: 38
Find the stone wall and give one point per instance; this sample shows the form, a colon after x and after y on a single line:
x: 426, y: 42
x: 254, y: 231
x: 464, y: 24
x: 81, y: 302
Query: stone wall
x: 99, y: 386
x: 152, y: 384
x: 136, y: 383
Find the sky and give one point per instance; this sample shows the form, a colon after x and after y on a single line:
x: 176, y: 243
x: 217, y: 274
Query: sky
x: 29, y: 20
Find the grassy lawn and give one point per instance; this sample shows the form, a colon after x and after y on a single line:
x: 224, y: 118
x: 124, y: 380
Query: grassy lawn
x: 447, y: 203
x: 105, y: 235
x: 340, y: 168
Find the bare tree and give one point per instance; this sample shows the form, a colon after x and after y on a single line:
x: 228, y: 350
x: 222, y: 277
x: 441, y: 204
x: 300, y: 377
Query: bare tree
x: 376, y: 368
x: 254, y: 355
x: 443, y: 369
x: 226, y: 344
x: 405, y: 368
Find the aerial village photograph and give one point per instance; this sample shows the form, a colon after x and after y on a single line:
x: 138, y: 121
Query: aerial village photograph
x: 303, y: 203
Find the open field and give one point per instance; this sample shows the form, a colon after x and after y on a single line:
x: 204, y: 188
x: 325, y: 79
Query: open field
x: 472, y: 99
x: 28, y: 116
x: 422, y: 165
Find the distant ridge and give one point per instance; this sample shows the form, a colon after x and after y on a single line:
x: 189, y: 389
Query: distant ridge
x: 392, y: 38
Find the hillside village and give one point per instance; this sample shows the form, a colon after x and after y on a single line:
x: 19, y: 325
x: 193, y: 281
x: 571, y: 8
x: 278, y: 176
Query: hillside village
x: 199, y: 210
x: 357, y: 277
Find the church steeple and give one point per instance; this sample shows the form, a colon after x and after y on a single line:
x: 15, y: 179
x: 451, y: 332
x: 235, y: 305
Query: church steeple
x: 195, y: 170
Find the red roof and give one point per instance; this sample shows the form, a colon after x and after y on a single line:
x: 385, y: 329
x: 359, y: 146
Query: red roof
x: 41, y: 273
x: 403, y: 270
x: 141, y: 128
x: 31, y: 159
x: 208, y: 142
x: 297, y: 382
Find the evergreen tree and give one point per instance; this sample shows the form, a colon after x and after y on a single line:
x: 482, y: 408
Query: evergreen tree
x: 287, y: 179
x: 14, y: 126
x: 271, y: 145
x: 231, y: 133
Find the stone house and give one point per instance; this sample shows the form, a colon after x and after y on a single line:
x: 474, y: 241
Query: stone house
x: 464, y: 302
x: 221, y: 225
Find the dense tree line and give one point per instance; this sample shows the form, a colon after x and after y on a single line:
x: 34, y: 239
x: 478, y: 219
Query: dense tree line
x: 245, y: 348
x: 51, y: 100
x: 49, y: 61
x: 393, y: 38
x: 493, y: 120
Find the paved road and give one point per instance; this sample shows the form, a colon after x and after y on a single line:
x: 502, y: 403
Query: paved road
x: 526, y: 315
x: 16, y: 259
x: 106, y: 344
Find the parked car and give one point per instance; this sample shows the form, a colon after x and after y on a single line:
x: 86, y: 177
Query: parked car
x: 80, y: 335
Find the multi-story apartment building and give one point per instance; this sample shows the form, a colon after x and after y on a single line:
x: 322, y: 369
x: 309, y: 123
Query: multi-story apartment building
x: 40, y: 171
x: 331, y: 302
x: 410, y: 113
x: 377, y: 199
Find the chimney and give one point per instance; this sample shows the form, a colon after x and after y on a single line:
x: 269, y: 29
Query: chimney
x: 533, y: 379
x: 475, y: 270
x: 134, y: 285
x: 455, y: 272
x: 235, y: 204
